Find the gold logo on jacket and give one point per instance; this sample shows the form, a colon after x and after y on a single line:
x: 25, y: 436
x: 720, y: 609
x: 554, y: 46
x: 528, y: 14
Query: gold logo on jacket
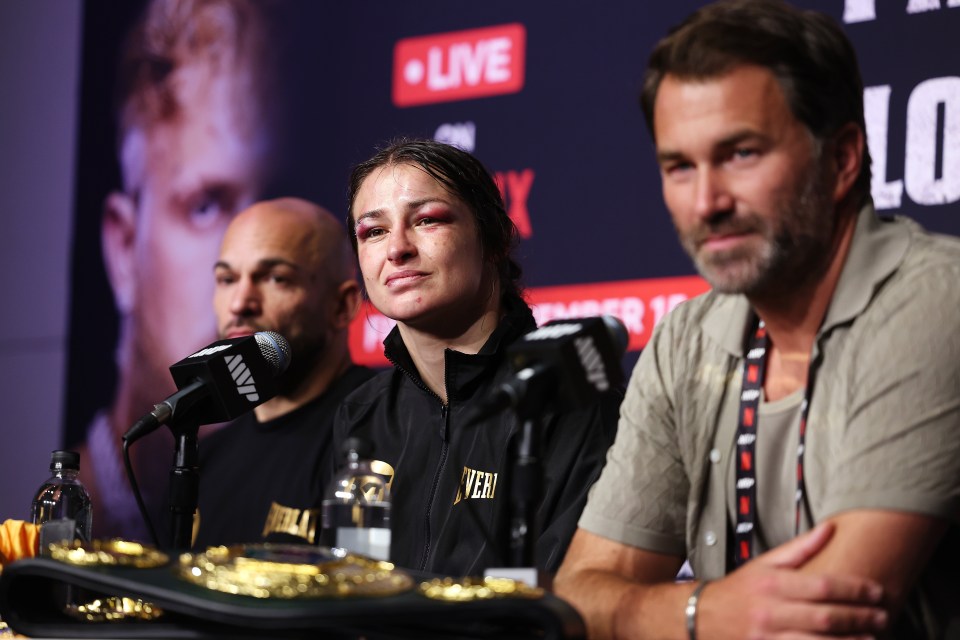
x: 476, y: 485
x: 292, y: 521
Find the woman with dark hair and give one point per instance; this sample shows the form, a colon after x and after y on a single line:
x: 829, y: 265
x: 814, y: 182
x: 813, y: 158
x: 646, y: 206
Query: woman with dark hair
x: 434, y: 243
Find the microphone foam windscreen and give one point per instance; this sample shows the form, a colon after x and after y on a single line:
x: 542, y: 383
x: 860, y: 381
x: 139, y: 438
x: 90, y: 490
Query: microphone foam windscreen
x: 618, y: 330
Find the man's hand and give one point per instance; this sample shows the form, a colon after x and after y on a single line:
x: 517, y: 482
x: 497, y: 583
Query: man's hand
x: 769, y: 598
x: 627, y: 592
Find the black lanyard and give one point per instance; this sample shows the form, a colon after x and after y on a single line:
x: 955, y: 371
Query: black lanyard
x: 754, y: 370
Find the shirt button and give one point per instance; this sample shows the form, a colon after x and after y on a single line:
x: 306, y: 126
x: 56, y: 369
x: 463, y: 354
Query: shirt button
x: 710, y: 538
x: 714, y: 455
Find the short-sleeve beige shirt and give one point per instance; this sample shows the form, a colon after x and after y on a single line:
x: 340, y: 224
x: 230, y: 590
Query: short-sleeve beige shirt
x: 884, y: 418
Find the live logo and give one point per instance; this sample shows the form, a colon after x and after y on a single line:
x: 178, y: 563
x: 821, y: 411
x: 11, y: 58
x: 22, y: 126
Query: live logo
x: 459, y: 65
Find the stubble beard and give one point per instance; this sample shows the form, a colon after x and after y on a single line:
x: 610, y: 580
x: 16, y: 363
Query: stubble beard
x: 794, y: 248
x: 306, y: 353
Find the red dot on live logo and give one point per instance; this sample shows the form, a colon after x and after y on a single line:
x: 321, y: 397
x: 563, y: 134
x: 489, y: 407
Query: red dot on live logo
x: 459, y: 65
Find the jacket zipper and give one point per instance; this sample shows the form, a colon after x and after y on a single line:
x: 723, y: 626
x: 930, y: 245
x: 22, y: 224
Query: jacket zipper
x: 444, y: 412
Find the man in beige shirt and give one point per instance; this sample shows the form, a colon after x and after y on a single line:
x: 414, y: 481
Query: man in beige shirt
x: 794, y: 432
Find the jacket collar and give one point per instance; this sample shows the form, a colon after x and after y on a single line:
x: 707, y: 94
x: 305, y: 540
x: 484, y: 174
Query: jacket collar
x: 877, y: 249
x: 465, y: 371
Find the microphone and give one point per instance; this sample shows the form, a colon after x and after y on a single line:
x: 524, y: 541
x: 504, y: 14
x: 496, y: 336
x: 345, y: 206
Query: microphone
x: 565, y: 363
x: 220, y: 382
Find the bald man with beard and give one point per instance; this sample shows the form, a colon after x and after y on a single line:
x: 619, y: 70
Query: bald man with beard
x: 286, y: 266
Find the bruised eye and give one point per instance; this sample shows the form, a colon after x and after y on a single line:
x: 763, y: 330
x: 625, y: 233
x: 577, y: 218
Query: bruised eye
x: 433, y: 218
x: 368, y: 232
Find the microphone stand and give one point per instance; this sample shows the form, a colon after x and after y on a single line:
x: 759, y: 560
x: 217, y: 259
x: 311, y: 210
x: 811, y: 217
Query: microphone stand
x: 525, y: 489
x: 184, y: 484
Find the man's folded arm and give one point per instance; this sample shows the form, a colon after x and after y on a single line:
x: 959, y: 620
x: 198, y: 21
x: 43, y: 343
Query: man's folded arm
x: 889, y: 547
x: 612, y: 584
x: 627, y: 592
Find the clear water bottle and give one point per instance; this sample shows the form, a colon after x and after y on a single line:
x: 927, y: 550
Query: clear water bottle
x: 355, y: 513
x: 62, y: 505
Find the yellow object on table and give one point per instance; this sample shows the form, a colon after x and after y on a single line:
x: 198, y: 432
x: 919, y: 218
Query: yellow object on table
x: 18, y: 539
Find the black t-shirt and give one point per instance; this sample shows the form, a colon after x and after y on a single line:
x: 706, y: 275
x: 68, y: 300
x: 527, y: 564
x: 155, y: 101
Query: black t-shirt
x: 264, y: 482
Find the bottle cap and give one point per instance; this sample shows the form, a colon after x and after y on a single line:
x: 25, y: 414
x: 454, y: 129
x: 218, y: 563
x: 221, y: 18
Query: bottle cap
x: 358, y: 445
x: 65, y: 460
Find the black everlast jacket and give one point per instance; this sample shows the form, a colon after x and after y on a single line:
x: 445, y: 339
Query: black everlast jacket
x: 450, y: 502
